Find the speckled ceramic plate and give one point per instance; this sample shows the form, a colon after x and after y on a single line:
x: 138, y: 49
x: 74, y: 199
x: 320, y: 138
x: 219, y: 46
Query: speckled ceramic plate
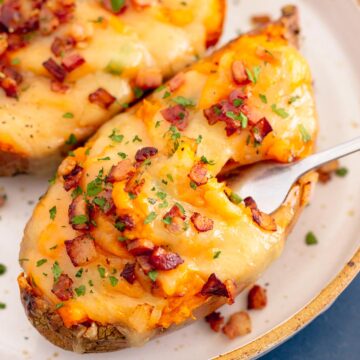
x: 306, y: 279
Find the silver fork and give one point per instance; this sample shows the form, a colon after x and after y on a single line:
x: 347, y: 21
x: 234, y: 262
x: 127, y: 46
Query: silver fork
x: 269, y: 183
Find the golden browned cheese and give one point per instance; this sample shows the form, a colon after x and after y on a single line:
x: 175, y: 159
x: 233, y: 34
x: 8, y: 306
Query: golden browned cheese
x: 226, y: 239
x: 119, y: 50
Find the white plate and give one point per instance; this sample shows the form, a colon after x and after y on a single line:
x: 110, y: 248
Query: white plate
x: 330, y: 42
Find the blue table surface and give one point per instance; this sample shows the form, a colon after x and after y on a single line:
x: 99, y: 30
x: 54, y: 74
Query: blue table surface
x: 333, y: 335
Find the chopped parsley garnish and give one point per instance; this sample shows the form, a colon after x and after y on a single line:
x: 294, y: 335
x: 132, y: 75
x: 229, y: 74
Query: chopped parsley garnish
x: 122, y: 155
x: 52, y: 212
x: 293, y: 99
x: 76, y: 192
x: 263, y: 98
x: 342, y: 172
x: 193, y: 185
x: 279, y: 111
x: 2, y: 269
x: 169, y: 176
x: 41, y: 262
x: 238, y: 102
x: 15, y: 61
x: 306, y: 137
x: 161, y: 195
x: 311, y: 239
x: 91, y: 283
x: 153, y: 275
x: 52, y: 180
x: 254, y: 74
x: 116, y: 5
x: 160, y: 88
x: 59, y: 306
x: 216, y: 254
x: 113, y: 280
x: 71, y: 140
x: 100, y: 201
x: 235, y: 198
x: 114, y: 67
x: 94, y: 187
x: 79, y: 273
x: 87, y: 151
x: 116, y: 137
x: 167, y: 220
x: 2, y: 306
x: 81, y: 290
x: 79, y: 220
x: 180, y: 207
x: 241, y: 117
x: 138, y: 92
x: 151, y: 217
x: 101, y: 271
x: 119, y: 225
x: 68, y: 115
x: 136, y: 138
x: 122, y: 238
x: 157, y: 124
x: 164, y: 204
x: 151, y: 201
x: 104, y: 158
x: 71, y: 153
x: 206, y: 161
x: 56, y: 270
x: 199, y: 139
x: 166, y: 94
x: 183, y: 101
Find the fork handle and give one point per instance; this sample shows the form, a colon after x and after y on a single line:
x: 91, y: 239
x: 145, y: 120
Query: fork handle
x: 321, y: 158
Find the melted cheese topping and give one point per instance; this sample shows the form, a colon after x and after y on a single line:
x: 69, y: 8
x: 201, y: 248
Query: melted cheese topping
x: 236, y: 248
x: 164, y: 36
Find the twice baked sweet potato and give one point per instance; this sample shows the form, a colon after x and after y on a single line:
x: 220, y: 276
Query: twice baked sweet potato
x: 137, y: 235
x: 68, y: 66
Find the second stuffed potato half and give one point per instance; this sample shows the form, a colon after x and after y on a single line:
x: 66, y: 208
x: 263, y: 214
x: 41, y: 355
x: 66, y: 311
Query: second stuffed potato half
x: 138, y: 234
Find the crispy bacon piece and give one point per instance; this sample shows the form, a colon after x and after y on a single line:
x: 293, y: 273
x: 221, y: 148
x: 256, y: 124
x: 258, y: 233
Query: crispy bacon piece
x: 72, y: 62
x: 126, y: 221
x: 198, y: 174
x: 48, y: 21
x: 175, y: 211
x: 15, y: 42
x: 148, y: 78
x: 261, y: 129
x: 134, y: 184
x: 177, y: 219
x: 121, y: 171
x: 215, y: 321
x: 78, y: 208
x: 326, y: 171
x: 145, y: 153
x: 108, y: 6
x: 215, y: 287
x: 164, y: 260
x: 55, y: 70
x: 81, y: 250
x: 11, y: 81
x: 177, y: 81
x: 61, y: 45
x: 257, y: 298
x: 201, y: 222
x: 239, y: 73
x: 144, y: 263
x: 128, y: 273
x: 109, y: 205
x: 140, y: 247
x: 63, y: 288
x: 239, y: 324
x: 102, y: 98
x: 177, y: 115
x: 265, y: 221
x: 59, y: 87
x: 72, y: 179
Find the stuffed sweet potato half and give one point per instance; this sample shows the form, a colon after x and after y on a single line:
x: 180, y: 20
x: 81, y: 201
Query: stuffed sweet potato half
x: 68, y: 66
x: 137, y: 234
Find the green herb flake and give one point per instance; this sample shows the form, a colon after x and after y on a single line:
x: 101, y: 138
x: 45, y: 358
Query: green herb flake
x: 79, y: 220
x: 169, y: 176
x: 342, y: 172
x: 180, y: 207
x: 122, y: 155
x: 71, y: 140
x: 52, y: 180
x: 153, y: 275
x: 199, y: 139
x: 79, y: 273
x: 122, y: 238
x: 238, y: 102
x: 160, y: 88
x: 157, y: 124
x: 76, y: 192
x: 113, y: 281
x: 15, y: 61
x: 263, y: 98
x: 104, y: 158
x: 59, y: 306
x: 2, y: 306
x: 81, y: 290
x: 68, y: 115
x: 2, y: 269
x: 94, y: 187
x: 91, y: 283
x: 253, y: 74
x: 116, y: 137
x: 52, y: 212
x: 293, y: 99
x: 193, y: 185
x: 167, y: 220
x: 235, y: 198
x: 136, y: 138
x: 101, y: 271
x: 114, y: 67
x: 41, y: 262
x: 151, y: 217
x: 116, y: 5
x: 306, y: 137
x: 206, y: 161
x: 138, y: 92
x: 183, y: 101
x: 166, y: 95
x: 56, y: 270
x: 161, y: 195
x: 279, y: 111
x: 216, y: 254
x: 311, y: 239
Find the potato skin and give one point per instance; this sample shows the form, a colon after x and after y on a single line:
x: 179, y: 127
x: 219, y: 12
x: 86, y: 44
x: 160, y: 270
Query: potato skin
x: 92, y: 337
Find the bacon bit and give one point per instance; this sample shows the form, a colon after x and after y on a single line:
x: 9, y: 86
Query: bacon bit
x: 72, y: 62
x: 58, y: 87
x: 214, y: 286
x: 175, y: 211
x: 10, y: 16
x: 81, y: 250
x: 239, y: 324
x: 237, y: 94
x: 326, y: 171
x: 102, y: 98
x: 63, y: 288
x: 198, y: 174
x: 15, y: 42
x: 177, y: 220
x: 109, y: 207
x: 128, y: 222
x: 215, y: 321
x: 177, y: 81
x: 257, y: 298
x: 48, y: 22
x: 261, y: 129
x: 134, y: 184
x: 149, y: 78
x: 259, y: 20
x: 177, y: 115
x: 202, y: 223
x: 61, y: 45
x: 121, y: 171
x: 239, y: 73
x: 9, y: 83
x: 265, y: 221
x: 145, y: 153
x: 108, y: 6
x: 72, y: 179
x: 128, y: 273
x: 55, y: 70
x: 164, y: 260
x: 144, y: 263
x: 140, y: 247
x: 78, y: 207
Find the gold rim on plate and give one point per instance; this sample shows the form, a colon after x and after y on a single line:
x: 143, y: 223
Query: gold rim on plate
x: 319, y: 304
